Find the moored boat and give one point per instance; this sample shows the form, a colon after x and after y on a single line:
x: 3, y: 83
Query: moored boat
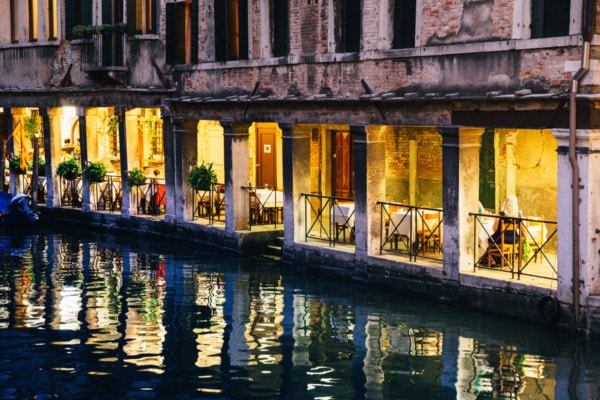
x: 16, y: 211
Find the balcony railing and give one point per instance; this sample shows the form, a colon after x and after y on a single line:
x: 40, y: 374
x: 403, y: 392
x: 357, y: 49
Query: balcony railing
x: 412, y: 231
x: 265, y: 205
x: 210, y: 204
x: 71, y: 192
x: 533, y: 254
x: 329, y: 219
x: 103, y: 51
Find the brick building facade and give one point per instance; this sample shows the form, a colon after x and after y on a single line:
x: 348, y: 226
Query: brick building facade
x: 404, y: 92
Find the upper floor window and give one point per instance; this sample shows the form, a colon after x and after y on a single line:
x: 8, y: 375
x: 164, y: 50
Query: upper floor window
x: 550, y: 18
x: 348, y: 26
x: 182, y: 26
x: 52, y: 20
x: 77, y: 12
x: 280, y: 27
x: 14, y: 20
x: 144, y: 14
x: 231, y: 30
x: 405, y: 12
x: 33, y: 20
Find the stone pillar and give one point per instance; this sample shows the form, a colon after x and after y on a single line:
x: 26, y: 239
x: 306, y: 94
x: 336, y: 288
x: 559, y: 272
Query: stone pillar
x: 185, y: 144
x: 236, y: 151
x: 127, y: 153
x: 588, y: 161
x: 89, y: 151
x: 511, y: 168
x: 52, y: 156
x: 17, y: 180
x: 296, y: 180
x: 169, y: 151
x: 369, y: 187
x: 460, y: 194
x: 10, y: 144
x: 189, y: 155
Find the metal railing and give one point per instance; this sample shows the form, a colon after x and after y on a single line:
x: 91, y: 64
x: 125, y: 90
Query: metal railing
x: 71, y: 192
x: 411, y: 231
x: 105, y: 49
x: 108, y: 194
x: 328, y: 218
x: 533, y: 254
x: 265, y: 205
x: 210, y: 204
x: 151, y: 198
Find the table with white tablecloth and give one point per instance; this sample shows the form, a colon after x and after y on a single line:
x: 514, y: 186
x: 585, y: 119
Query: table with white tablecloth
x: 342, y: 219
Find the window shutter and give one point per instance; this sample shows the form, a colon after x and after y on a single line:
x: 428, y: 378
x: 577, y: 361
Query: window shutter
x: 171, y: 38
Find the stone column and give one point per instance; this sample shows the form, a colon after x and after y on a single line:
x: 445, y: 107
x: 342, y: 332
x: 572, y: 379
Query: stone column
x: 52, y: 156
x: 9, y: 144
x: 296, y: 180
x: 169, y: 151
x: 236, y: 151
x: 588, y: 161
x: 17, y: 180
x: 89, y: 151
x: 185, y: 150
x: 369, y: 187
x: 189, y: 155
x: 460, y: 194
x: 127, y: 153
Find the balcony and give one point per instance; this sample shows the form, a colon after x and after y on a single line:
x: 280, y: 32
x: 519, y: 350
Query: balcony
x: 103, y: 54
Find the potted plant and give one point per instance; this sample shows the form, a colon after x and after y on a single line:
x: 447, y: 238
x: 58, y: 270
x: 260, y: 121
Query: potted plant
x: 41, y: 166
x: 136, y: 177
x: 15, y: 165
x: 95, y: 172
x: 69, y: 169
x: 202, y: 177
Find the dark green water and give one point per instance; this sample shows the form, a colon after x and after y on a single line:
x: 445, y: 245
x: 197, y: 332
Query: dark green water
x: 85, y: 316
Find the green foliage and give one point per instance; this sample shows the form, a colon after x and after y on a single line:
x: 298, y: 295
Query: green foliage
x: 31, y: 125
x: 112, y: 124
x: 136, y: 177
x: 81, y: 31
x: 15, y: 164
x: 201, y: 177
x: 69, y: 169
x: 95, y: 172
x: 41, y: 166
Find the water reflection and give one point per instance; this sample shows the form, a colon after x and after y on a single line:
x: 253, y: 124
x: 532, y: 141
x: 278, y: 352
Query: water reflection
x: 89, y: 316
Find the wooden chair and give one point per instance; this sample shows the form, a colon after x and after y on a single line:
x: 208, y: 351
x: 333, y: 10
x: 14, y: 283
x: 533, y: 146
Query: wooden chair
x: 219, y: 200
x: 429, y: 234
x: 505, y: 250
x: 255, y: 209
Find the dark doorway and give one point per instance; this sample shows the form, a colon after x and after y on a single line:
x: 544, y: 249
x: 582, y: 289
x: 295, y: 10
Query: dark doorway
x: 266, y: 156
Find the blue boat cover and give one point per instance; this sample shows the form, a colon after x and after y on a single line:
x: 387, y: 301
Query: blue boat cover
x: 4, y: 202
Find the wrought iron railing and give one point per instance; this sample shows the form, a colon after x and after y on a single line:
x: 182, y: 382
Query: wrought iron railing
x: 106, y: 49
x: 532, y: 254
x: 265, y: 205
x: 108, y: 194
x: 71, y: 192
x: 329, y: 218
x: 411, y: 231
x: 210, y: 204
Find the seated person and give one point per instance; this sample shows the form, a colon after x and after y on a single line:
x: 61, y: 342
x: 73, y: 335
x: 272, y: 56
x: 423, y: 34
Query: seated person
x: 510, y: 211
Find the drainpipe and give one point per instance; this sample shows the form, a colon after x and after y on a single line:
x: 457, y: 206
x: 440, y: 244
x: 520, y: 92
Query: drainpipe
x: 587, y: 32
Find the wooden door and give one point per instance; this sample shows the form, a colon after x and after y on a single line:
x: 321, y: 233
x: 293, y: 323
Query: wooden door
x: 487, y: 171
x: 266, y: 156
x: 342, y: 182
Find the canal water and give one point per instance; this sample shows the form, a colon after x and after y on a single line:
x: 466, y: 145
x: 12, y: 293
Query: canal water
x: 96, y: 316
